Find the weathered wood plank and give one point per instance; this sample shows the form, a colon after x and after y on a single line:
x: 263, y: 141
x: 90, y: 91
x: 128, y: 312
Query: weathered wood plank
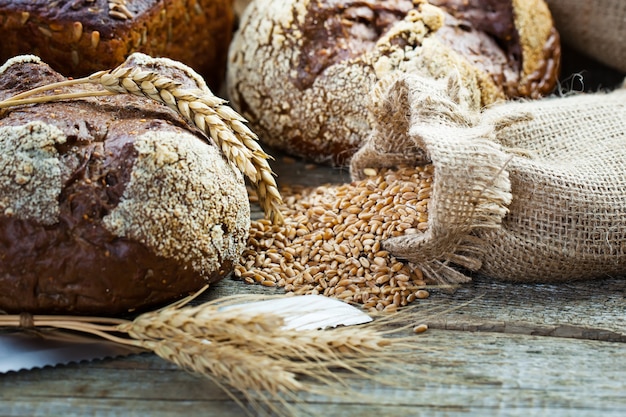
x: 461, y: 373
x: 584, y: 310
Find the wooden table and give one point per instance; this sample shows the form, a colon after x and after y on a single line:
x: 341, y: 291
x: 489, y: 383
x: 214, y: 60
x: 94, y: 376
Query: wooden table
x: 491, y: 349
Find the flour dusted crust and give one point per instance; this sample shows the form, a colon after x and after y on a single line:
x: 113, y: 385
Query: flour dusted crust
x: 110, y: 204
x: 183, y: 201
x: 79, y: 37
x: 301, y: 71
x: 30, y: 172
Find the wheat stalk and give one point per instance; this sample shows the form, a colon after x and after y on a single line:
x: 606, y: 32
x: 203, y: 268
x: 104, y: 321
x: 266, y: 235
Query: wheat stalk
x: 200, y: 108
x: 248, y: 352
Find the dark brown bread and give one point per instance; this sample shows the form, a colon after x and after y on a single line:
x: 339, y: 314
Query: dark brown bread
x: 78, y: 37
x: 109, y: 205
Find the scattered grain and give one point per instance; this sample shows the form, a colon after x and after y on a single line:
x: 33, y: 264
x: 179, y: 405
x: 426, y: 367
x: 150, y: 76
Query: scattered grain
x: 370, y: 172
x: 77, y: 31
x: 45, y: 31
x: 118, y: 10
x: 331, y: 240
x: 75, y: 58
x: 24, y: 18
x: 421, y: 294
x: 421, y: 328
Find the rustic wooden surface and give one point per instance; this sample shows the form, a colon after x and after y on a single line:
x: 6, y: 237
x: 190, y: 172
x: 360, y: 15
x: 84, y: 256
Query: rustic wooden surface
x: 480, y: 374
x: 492, y: 349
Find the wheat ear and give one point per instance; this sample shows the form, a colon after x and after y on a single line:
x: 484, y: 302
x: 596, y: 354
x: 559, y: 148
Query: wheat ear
x: 249, y: 352
x: 199, y: 107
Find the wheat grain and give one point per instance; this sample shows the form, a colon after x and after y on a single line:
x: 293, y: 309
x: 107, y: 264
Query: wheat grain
x: 420, y: 328
x: 251, y: 352
x: 255, y: 354
x: 335, y: 235
x: 95, y: 39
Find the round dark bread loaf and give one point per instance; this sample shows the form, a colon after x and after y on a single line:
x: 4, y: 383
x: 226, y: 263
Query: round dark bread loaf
x: 301, y: 70
x: 111, y: 204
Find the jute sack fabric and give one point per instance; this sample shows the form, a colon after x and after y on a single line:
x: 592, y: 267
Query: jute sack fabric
x: 596, y: 28
x: 523, y: 191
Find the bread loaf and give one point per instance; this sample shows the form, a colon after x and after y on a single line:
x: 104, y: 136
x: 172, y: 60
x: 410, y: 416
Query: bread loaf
x: 79, y: 37
x: 110, y: 204
x: 301, y: 71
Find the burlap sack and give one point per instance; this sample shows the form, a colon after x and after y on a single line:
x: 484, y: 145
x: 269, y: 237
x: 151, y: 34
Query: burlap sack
x: 596, y: 28
x: 524, y: 191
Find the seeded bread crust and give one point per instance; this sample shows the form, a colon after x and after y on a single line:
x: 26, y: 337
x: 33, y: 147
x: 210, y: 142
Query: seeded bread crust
x: 79, y: 37
x: 110, y: 204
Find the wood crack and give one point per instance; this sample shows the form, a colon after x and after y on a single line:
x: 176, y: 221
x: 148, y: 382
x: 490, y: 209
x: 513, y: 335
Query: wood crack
x: 528, y: 328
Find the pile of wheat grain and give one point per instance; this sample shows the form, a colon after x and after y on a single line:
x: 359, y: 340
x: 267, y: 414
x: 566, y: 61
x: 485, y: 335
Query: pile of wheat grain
x: 331, y: 240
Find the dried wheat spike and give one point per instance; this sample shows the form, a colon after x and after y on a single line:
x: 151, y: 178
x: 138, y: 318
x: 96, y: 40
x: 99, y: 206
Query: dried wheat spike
x: 212, y: 116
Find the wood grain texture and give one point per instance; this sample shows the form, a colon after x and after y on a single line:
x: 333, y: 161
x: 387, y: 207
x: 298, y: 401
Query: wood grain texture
x: 466, y: 373
x: 582, y: 310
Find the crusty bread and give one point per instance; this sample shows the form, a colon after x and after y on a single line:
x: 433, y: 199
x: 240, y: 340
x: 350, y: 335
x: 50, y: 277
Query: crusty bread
x: 110, y: 204
x: 301, y: 70
x: 77, y: 38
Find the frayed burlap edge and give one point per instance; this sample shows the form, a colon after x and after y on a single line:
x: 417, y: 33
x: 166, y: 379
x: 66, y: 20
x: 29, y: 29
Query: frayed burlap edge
x: 418, y: 120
